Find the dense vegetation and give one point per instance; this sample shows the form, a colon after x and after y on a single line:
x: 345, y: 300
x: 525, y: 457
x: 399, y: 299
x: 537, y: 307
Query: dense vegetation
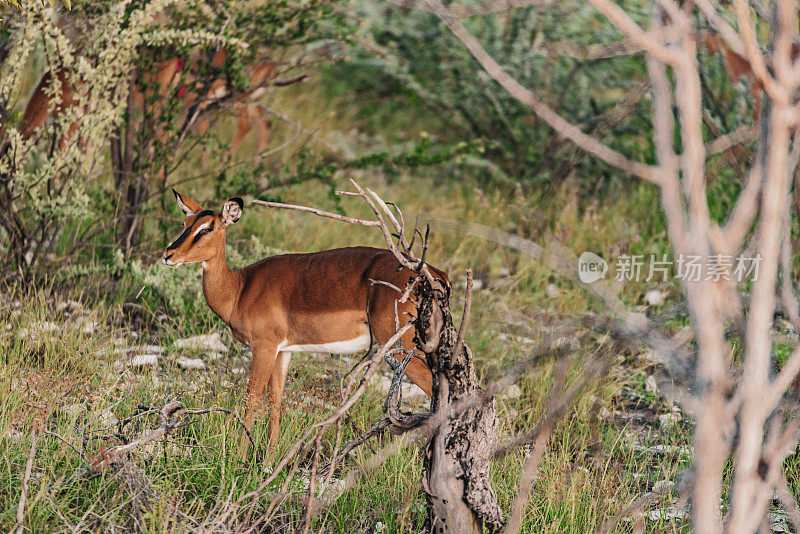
x: 366, y: 90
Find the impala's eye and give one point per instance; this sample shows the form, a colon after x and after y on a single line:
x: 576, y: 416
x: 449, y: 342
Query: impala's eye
x: 203, y: 232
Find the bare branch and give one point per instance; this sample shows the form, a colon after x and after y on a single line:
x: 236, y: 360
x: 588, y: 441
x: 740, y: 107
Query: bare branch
x: 754, y: 54
x: 623, y: 22
x: 722, y: 26
x: 591, y: 52
x: 741, y: 135
x: 462, y: 328
x: 526, y: 97
x: 480, y: 8
x: 315, y: 211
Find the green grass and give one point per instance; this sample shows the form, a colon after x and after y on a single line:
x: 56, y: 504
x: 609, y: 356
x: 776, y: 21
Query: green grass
x: 592, y: 469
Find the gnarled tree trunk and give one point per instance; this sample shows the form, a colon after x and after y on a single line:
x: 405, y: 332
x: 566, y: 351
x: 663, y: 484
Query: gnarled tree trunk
x: 458, y: 455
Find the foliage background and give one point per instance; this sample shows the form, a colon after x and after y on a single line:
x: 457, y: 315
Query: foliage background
x: 391, y: 99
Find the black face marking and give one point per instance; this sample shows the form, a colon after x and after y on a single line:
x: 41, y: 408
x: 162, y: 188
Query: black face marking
x: 178, y: 242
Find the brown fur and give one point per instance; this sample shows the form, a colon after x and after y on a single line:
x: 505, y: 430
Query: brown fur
x: 316, y: 298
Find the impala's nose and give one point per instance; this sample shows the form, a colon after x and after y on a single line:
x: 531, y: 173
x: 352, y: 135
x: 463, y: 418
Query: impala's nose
x: 167, y: 256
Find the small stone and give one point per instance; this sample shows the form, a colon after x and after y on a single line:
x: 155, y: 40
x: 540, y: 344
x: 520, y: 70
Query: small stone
x: 210, y: 342
x: 514, y: 392
x: 650, y: 384
x: 663, y: 485
x: 477, y: 284
x: 90, y: 327
x: 552, y: 291
x: 654, y: 297
x: 37, y: 328
x: 68, y: 306
x: 665, y: 514
x: 190, y: 363
x: 238, y: 370
x: 669, y: 419
x: 150, y: 349
x: 650, y: 356
x: 144, y: 360
x: 605, y: 415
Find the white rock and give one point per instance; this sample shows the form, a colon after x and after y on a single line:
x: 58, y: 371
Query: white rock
x: 604, y: 414
x: 669, y: 419
x: 68, y: 305
x: 211, y: 342
x: 38, y: 328
x: 650, y: 356
x: 144, y: 360
x: 552, y: 291
x: 150, y: 349
x: 672, y: 512
x: 650, y: 384
x: 654, y: 297
x: 90, y: 327
x: 477, y: 284
x: 191, y: 363
x: 214, y: 356
x: 514, y: 392
x: 238, y: 370
x: 663, y: 485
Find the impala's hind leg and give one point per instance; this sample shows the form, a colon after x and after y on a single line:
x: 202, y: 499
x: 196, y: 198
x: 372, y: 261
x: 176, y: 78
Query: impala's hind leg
x: 261, y: 368
x: 275, y: 389
x: 417, y: 371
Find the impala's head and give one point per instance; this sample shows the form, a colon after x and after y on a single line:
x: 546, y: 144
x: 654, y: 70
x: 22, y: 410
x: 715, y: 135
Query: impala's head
x: 203, y: 231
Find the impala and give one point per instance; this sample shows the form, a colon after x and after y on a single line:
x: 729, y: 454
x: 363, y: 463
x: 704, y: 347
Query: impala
x: 323, y: 301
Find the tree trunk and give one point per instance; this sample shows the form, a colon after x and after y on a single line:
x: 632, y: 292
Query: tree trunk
x: 458, y: 455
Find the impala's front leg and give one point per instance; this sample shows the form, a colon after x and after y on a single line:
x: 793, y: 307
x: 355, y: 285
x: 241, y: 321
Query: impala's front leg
x: 261, y: 367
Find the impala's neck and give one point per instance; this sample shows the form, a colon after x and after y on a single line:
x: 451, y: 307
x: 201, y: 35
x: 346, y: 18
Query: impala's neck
x: 221, y: 286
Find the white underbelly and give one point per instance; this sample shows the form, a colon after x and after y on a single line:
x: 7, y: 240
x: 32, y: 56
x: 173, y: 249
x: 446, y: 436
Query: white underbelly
x: 351, y: 346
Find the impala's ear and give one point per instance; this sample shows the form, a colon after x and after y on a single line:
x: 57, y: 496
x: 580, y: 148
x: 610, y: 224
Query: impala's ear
x: 186, y: 204
x: 232, y: 210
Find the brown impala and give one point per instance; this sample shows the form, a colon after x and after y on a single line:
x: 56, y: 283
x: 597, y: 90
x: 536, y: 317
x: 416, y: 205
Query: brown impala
x: 323, y: 301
